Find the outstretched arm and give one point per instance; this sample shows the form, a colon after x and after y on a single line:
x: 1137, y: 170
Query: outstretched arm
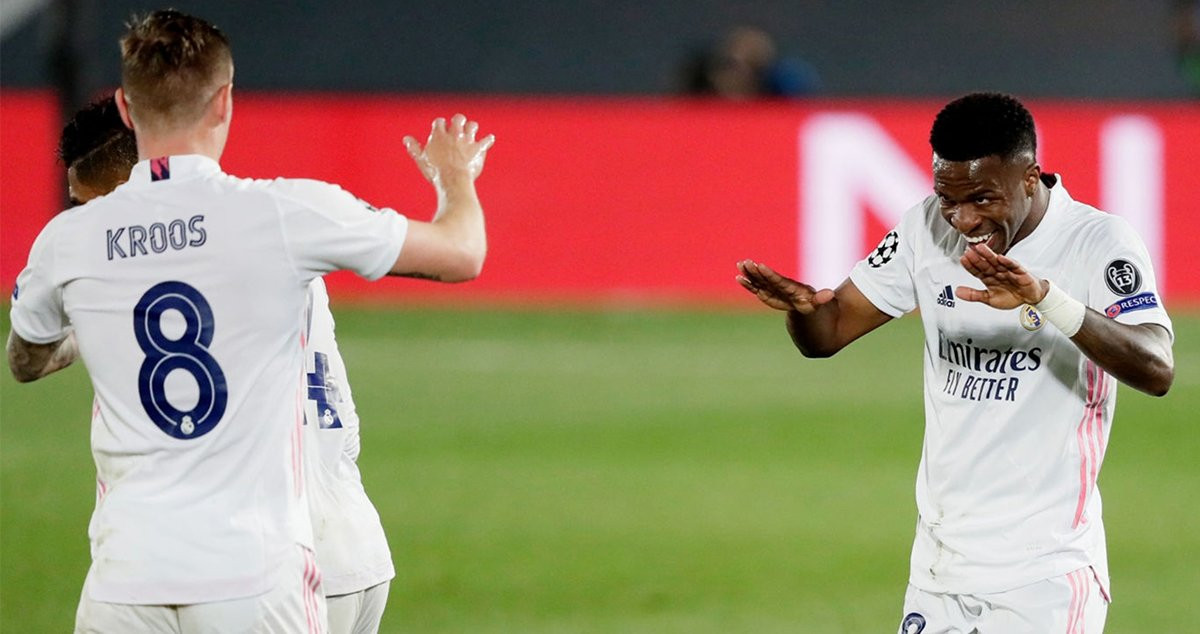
x: 32, y: 361
x: 452, y: 247
x: 820, y: 322
x: 1137, y: 355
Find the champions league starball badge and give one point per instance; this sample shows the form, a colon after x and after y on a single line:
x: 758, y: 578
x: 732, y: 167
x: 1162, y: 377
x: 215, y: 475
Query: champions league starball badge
x: 1122, y: 277
x: 885, y: 251
x: 1030, y: 318
x: 913, y: 624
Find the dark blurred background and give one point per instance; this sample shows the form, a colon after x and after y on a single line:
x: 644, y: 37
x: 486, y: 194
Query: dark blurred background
x: 1111, y: 49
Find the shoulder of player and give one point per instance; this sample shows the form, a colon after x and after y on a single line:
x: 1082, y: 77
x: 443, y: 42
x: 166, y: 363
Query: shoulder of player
x: 304, y: 192
x: 67, y: 219
x: 1088, y: 225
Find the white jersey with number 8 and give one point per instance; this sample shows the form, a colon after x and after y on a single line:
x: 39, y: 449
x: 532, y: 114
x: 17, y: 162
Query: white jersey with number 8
x: 186, y: 289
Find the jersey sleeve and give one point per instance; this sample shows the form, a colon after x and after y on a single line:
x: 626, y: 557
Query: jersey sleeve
x: 1121, y: 283
x: 38, y: 315
x: 328, y: 229
x: 885, y: 276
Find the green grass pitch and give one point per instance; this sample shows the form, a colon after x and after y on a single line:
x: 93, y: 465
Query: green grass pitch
x: 631, y: 471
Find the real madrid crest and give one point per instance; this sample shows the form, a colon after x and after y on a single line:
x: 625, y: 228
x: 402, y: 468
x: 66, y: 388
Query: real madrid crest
x: 914, y: 623
x: 1030, y: 318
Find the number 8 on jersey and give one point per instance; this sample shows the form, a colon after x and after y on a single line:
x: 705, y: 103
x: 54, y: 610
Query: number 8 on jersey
x: 189, y: 353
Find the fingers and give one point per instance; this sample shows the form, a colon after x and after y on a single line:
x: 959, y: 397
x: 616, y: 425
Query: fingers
x: 765, y: 295
x: 823, y: 296
x: 459, y: 126
x: 982, y: 257
x: 752, y: 269
x: 752, y: 272
x: 752, y: 279
x: 1010, y: 264
x: 486, y: 143
x: 975, y: 262
x: 778, y: 291
x: 969, y: 294
x: 413, y: 146
x: 418, y: 156
x: 760, y: 275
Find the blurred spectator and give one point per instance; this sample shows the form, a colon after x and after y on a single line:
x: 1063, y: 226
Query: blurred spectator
x: 1187, y: 40
x: 746, y: 64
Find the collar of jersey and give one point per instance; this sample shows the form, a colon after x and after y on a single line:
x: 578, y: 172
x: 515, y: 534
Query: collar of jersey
x: 1047, y: 229
x: 182, y: 166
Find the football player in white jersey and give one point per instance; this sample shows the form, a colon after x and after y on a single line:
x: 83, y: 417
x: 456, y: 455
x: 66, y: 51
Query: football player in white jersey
x: 351, y: 547
x: 185, y: 291
x: 1033, y: 306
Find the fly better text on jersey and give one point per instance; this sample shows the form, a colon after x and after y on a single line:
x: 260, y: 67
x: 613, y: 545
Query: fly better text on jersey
x: 969, y: 361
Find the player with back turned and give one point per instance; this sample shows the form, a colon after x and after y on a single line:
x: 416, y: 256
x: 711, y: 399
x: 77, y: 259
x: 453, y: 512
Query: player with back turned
x: 185, y: 290
x: 351, y: 547
x: 1020, y: 375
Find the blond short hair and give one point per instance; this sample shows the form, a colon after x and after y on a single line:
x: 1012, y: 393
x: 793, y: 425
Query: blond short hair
x: 171, y: 66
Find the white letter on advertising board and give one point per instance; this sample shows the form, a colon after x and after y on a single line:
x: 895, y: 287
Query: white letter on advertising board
x: 849, y: 165
x: 1132, y: 180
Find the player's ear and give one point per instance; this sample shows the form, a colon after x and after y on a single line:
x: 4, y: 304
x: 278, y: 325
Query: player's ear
x: 221, y: 106
x: 123, y: 108
x: 1033, y: 175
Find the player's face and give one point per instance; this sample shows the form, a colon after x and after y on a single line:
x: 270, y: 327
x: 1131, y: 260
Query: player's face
x: 81, y: 192
x: 988, y: 199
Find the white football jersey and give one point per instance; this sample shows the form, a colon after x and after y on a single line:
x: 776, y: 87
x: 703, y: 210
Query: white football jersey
x: 186, y: 289
x: 351, y: 547
x: 1016, y: 417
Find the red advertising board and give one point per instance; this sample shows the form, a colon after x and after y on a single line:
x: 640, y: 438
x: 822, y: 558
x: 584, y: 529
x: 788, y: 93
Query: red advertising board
x: 617, y: 199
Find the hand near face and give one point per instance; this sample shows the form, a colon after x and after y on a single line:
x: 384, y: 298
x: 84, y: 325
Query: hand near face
x: 451, y: 151
x: 1006, y: 283
x: 779, y: 292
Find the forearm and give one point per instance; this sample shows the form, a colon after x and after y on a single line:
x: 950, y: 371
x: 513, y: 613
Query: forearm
x: 451, y: 247
x: 460, y: 219
x: 460, y: 216
x: 816, y: 334
x: 1139, y: 356
x: 32, y: 361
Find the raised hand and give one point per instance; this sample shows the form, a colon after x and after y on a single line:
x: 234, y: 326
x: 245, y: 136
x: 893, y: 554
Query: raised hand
x: 1006, y: 283
x: 779, y: 292
x: 451, y: 151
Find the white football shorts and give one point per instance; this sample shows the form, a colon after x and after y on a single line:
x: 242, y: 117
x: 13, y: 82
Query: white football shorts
x: 1074, y: 603
x: 294, y: 606
x: 358, y: 612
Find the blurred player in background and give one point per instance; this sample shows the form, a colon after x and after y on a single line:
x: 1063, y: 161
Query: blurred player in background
x: 1020, y: 376
x: 186, y: 289
x: 97, y: 150
x: 351, y: 548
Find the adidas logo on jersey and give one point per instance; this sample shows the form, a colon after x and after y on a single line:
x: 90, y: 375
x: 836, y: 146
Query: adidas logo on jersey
x: 946, y: 297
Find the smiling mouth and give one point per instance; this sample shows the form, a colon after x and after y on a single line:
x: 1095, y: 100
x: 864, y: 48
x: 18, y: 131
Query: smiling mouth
x: 979, y: 239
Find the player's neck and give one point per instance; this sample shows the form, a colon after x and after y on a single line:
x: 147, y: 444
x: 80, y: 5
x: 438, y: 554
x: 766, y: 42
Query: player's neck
x: 182, y: 142
x: 1041, y: 202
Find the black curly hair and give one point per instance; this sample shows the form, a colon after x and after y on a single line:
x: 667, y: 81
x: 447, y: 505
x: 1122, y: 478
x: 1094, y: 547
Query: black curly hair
x: 983, y: 124
x: 97, y: 145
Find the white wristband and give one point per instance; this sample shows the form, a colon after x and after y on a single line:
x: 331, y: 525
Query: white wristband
x: 1062, y: 310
